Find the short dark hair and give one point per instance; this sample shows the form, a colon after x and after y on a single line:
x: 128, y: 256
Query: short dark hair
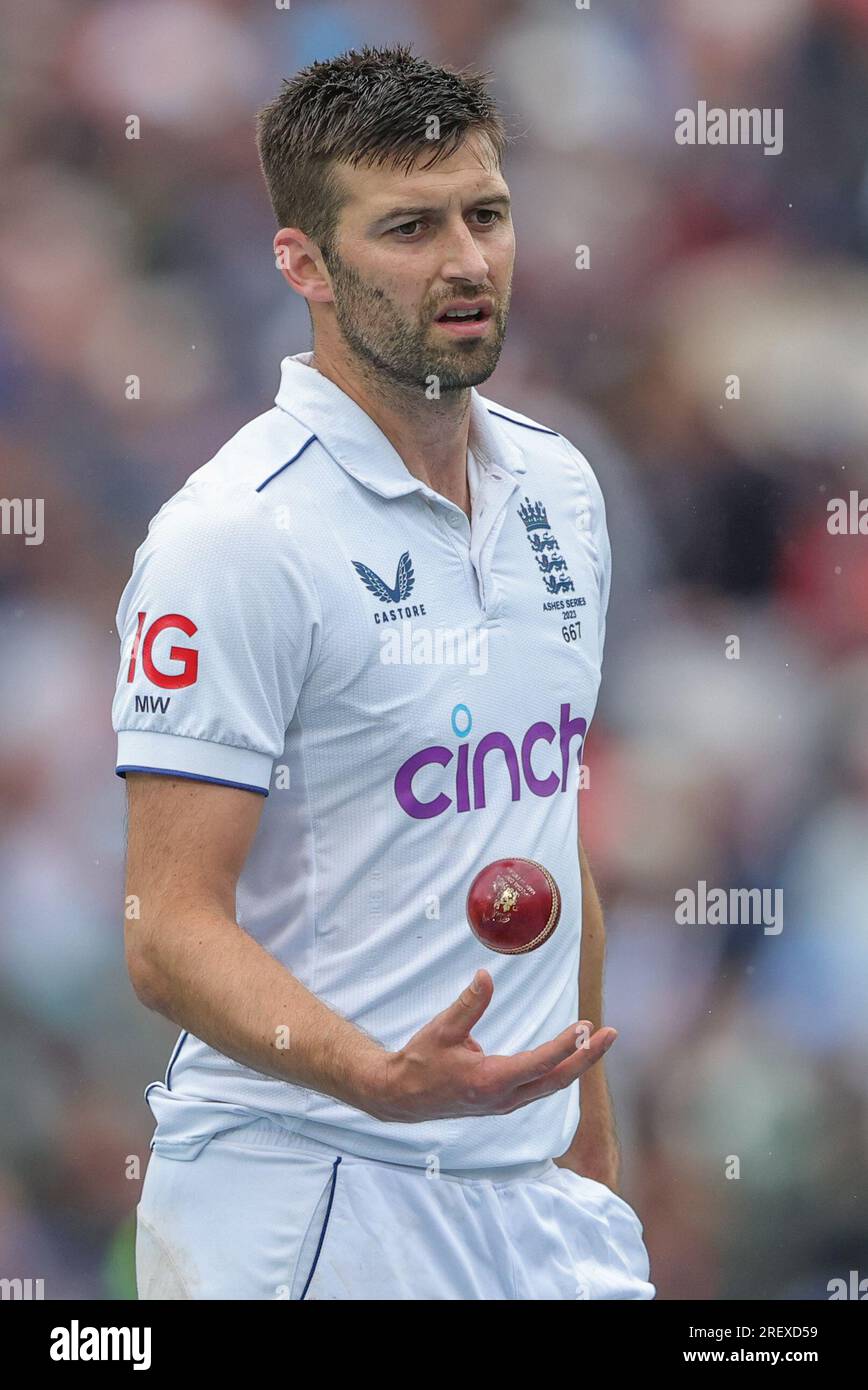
x: 370, y: 106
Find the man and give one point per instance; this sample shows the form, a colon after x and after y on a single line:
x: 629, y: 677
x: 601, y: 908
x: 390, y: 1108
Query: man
x: 360, y: 651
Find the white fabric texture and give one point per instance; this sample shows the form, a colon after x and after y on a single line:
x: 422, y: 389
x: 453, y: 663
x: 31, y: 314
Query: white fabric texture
x: 262, y: 1215
x: 279, y: 633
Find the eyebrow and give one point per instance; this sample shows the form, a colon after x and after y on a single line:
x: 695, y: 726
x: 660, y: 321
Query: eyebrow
x: 419, y: 210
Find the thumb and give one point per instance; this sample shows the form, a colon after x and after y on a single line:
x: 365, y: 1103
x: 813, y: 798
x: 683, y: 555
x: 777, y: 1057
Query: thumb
x: 460, y: 1017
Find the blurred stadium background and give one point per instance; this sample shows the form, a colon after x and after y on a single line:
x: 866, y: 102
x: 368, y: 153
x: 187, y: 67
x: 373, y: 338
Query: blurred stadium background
x: 154, y: 257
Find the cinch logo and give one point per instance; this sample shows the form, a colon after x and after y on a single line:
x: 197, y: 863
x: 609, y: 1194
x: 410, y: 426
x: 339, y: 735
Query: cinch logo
x: 188, y: 656
x: 467, y: 780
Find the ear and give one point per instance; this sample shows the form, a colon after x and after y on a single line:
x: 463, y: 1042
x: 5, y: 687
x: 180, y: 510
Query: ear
x: 300, y: 263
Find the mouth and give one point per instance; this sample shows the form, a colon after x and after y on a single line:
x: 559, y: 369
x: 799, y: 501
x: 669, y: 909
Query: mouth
x: 466, y: 318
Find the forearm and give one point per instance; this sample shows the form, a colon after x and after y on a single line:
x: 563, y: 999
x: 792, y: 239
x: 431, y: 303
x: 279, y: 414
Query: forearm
x: 212, y: 978
x: 594, y: 1151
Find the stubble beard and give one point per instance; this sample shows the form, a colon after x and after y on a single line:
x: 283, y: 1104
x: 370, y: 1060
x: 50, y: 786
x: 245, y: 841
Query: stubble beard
x: 402, y: 354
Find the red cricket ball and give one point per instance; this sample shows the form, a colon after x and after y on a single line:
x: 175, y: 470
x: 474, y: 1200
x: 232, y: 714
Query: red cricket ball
x: 513, y: 906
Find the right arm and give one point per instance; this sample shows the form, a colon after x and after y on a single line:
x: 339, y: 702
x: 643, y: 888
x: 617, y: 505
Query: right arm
x: 189, y: 960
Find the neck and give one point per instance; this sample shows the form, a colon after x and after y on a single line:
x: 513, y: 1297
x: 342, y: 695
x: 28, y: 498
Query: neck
x: 430, y: 436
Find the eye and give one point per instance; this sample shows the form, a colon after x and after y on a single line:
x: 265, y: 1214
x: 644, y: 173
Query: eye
x: 489, y: 212
x: 416, y: 222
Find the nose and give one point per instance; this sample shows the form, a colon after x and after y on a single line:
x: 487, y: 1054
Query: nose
x: 463, y: 259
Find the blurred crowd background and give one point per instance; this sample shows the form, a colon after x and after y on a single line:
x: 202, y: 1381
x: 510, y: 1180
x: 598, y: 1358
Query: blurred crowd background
x: 153, y: 257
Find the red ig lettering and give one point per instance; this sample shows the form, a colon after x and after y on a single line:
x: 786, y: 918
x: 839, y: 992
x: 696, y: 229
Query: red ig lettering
x: 189, y: 656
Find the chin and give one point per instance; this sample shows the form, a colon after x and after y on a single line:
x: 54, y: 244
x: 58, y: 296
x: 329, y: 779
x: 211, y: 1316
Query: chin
x: 466, y: 374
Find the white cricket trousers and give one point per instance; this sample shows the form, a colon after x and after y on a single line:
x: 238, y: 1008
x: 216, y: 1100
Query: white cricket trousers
x: 261, y: 1213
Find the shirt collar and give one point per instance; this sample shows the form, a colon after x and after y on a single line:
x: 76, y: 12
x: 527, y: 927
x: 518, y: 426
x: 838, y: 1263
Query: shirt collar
x: 359, y: 445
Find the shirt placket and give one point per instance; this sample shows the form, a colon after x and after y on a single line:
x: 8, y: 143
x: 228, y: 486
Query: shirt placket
x: 494, y: 493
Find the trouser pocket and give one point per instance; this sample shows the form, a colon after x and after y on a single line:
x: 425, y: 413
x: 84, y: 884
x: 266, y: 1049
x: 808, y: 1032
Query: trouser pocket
x: 236, y: 1222
x: 158, y: 1275
x: 314, y: 1238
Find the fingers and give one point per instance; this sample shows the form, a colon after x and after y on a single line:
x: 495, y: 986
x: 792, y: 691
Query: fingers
x: 569, y: 1070
x: 525, y: 1067
x: 456, y: 1022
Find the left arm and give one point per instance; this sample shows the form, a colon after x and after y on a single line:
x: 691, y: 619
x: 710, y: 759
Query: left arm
x: 595, y: 1151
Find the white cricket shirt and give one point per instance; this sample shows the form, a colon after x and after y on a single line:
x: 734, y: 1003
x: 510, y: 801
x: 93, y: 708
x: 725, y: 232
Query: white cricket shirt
x: 409, y: 692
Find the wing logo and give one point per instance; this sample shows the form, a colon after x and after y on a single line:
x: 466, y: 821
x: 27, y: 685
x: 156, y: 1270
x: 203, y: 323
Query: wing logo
x: 404, y: 580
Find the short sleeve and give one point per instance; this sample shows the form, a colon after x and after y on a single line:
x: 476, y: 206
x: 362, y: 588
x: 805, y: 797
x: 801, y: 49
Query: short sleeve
x: 217, y: 625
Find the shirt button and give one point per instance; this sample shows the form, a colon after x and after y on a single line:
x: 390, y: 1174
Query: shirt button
x: 453, y: 519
